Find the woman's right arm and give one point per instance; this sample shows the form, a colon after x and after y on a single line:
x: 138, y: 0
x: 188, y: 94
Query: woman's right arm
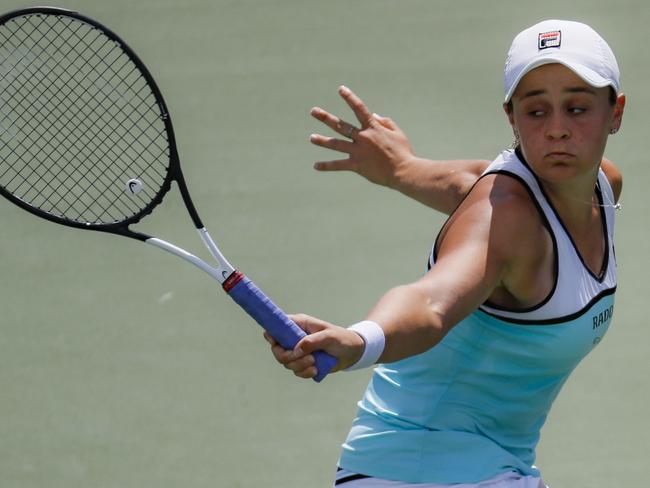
x: 494, y: 237
x: 380, y: 152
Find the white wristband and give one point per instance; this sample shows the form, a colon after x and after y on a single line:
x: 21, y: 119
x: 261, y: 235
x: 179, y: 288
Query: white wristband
x: 375, y: 340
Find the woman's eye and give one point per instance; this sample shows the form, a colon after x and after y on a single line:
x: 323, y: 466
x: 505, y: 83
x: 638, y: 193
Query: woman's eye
x: 536, y: 113
x: 577, y: 110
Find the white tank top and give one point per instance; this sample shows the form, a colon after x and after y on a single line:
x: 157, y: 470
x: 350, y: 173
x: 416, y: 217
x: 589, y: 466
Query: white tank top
x: 564, y: 301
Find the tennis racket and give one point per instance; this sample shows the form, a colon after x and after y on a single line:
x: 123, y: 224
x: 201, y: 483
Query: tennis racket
x: 86, y: 141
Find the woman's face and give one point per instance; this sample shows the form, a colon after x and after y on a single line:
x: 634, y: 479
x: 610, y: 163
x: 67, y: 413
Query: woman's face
x: 563, y: 122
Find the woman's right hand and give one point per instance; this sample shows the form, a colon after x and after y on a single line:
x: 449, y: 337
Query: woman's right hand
x: 345, y: 345
x: 376, y: 149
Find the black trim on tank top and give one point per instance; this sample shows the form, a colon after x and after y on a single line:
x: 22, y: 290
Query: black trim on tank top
x: 566, y: 318
x: 605, y: 261
x: 603, y: 220
x: 351, y: 477
x: 433, y: 252
x: 546, y: 224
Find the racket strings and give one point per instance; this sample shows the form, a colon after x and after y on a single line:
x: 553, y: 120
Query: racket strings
x: 78, y: 121
x: 102, y: 60
x: 80, y: 145
x: 55, y: 190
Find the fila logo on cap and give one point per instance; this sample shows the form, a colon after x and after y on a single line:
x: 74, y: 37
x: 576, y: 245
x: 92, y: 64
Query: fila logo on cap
x: 549, y: 39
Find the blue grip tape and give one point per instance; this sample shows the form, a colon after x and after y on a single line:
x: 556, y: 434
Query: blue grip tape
x: 284, y: 330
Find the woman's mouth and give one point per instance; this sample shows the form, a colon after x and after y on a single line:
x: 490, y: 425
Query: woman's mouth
x: 560, y: 156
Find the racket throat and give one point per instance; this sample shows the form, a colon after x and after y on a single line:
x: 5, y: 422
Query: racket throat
x: 220, y: 273
x: 224, y: 266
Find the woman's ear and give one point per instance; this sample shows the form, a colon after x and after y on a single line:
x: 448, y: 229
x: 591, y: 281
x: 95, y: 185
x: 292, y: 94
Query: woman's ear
x: 619, y: 108
x: 507, y: 108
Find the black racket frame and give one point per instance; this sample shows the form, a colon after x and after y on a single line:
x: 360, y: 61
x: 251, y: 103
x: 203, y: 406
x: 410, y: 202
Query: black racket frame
x: 174, y: 172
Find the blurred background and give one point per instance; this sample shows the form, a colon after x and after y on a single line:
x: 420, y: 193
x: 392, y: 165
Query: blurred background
x: 121, y: 366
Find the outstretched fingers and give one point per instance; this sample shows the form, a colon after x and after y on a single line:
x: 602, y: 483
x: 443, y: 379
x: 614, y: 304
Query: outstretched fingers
x: 363, y: 115
x: 336, y: 165
x: 333, y: 122
x: 331, y: 143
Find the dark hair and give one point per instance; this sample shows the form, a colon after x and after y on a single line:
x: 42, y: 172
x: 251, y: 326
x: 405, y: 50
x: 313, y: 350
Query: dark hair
x: 612, y: 99
x: 613, y: 96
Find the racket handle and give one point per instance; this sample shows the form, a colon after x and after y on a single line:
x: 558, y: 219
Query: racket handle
x: 266, y: 313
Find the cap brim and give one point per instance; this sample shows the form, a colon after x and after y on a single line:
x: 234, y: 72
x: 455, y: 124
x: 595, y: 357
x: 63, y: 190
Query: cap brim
x: 588, y: 75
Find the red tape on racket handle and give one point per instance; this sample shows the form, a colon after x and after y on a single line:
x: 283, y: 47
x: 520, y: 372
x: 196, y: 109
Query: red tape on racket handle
x: 266, y: 313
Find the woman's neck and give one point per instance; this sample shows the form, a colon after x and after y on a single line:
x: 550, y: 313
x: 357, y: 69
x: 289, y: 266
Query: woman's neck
x: 576, y: 201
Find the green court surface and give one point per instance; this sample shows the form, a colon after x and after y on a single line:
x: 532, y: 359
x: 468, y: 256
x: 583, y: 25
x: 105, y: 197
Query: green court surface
x: 124, y: 367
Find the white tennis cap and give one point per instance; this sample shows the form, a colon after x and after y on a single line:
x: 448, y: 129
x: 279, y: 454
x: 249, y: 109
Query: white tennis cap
x: 573, y: 44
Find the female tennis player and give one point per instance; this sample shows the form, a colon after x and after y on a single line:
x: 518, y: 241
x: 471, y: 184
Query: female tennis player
x: 520, y: 285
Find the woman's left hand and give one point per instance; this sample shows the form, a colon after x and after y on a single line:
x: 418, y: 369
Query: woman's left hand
x: 377, y: 149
